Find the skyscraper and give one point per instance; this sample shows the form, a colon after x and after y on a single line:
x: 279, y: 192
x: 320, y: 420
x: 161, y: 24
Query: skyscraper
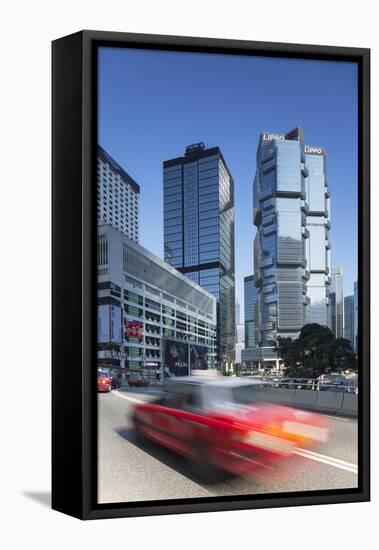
x: 250, y: 298
x: 117, y: 196
x: 291, y: 258
x: 317, y: 245
x: 348, y: 328
x: 356, y: 322
x: 240, y: 334
x: 336, y: 299
x: 198, y: 193
x: 238, y: 313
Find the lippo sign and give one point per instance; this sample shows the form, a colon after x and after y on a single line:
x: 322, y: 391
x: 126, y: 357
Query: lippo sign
x: 270, y: 137
x: 310, y: 150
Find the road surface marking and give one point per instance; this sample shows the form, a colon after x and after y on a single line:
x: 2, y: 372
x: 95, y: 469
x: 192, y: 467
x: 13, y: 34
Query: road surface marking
x: 336, y: 462
x: 115, y: 392
x: 342, y: 418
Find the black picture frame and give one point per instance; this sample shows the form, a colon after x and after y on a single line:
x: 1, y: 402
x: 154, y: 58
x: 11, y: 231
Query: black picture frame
x: 74, y: 418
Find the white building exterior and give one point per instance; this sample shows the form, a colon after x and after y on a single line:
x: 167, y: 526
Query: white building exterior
x: 143, y: 303
x: 117, y: 196
x: 240, y: 341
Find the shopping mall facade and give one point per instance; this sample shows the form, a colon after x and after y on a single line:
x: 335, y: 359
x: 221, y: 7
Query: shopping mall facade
x: 153, y: 322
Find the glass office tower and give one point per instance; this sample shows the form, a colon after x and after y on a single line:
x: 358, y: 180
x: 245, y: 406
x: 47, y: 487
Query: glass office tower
x: 198, y: 193
x: 318, y: 253
x: 356, y: 316
x: 348, y: 327
x: 291, y: 248
x: 250, y: 298
x: 336, y: 299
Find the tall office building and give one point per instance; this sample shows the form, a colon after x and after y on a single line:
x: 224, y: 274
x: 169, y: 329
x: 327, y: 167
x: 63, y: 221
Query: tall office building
x: 240, y: 334
x: 250, y: 298
x: 240, y: 342
x: 336, y: 299
x: 199, y: 232
x: 317, y: 245
x: 250, y: 312
x: 348, y: 327
x: 117, y: 196
x: 291, y: 258
x: 356, y: 321
x: 238, y: 313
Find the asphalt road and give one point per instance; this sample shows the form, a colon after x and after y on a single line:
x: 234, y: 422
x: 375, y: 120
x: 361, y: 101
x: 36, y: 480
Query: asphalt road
x: 130, y: 471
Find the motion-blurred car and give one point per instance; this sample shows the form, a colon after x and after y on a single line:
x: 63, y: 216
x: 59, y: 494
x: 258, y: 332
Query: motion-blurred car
x: 227, y: 426
x: 115, y: 382
x: 138, y: 382
x: 104, y: 382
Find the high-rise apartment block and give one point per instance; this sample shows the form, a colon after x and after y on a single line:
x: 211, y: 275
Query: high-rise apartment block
x: 117, y: 196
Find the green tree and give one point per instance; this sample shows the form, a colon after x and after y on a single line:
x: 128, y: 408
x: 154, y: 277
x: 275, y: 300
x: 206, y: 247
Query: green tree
x: 316, y: 351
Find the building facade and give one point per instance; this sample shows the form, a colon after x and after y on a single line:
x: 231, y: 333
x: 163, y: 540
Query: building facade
x: 356, y: 319
x: 250, y: 306
x: 291, y: 247
x: 117, y: 196
x: 348, y: 328
x: 250, y: 299
x: 317, y: 244
x: 198, y: 193
x: 152, y: 321
x: 238, y: 313
x: 240, y: 342
x: 336, y: 299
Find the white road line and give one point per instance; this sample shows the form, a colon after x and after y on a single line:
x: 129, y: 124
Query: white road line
x: 342, y: 418
x: 115, y: 392
x: 336, y: 462
x: 339, y: 460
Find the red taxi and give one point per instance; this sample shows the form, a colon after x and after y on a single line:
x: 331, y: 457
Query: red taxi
x: 227, y: 426
x: 104, y: 382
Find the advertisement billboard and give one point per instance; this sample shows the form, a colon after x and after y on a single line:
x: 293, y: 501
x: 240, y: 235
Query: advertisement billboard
x: 175, y: 357
x: 103, y: 323
x: 109, y: 324
x: 198, y: 357
x: 115, y: 321
x: 133, y: 329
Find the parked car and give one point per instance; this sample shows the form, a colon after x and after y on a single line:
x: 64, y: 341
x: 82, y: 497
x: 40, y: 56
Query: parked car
x: 226, y: 426
x: 104, y: 382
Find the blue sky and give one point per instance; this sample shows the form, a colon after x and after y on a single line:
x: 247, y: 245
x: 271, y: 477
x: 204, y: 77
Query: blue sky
x: 152, y: 104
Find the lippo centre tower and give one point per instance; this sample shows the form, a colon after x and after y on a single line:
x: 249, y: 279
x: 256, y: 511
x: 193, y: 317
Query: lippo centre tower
x: 291, y: 247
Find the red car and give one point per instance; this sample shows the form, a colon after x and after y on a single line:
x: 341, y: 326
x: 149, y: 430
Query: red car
x: 227, y: 426
x: 104, y: 382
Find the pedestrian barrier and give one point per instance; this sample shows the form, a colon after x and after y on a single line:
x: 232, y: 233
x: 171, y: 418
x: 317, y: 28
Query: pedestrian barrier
x: 331, y: 402
x: 285, y: 396
x: 350, y: 404
x: 306, y: 397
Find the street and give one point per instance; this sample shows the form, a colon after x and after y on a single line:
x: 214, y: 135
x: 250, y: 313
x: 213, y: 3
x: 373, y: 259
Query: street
x: 130, y: 471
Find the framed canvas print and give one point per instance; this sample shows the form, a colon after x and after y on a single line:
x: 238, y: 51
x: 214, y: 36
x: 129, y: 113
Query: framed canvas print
x: 210, y: 275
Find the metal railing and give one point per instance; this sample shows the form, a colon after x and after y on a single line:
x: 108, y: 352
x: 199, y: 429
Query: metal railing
x: 314, y: 384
